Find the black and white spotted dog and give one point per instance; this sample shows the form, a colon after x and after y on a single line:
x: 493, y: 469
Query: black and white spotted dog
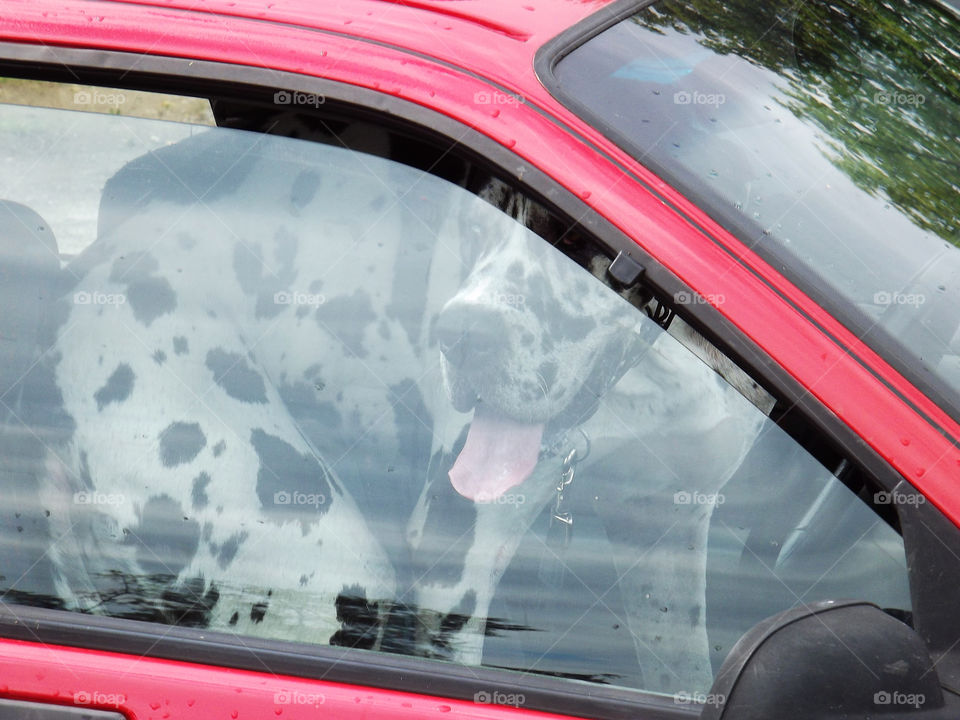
x: 533, y: 379
x: 254, y: 400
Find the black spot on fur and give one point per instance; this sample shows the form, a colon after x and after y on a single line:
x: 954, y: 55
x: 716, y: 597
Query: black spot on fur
x: 219, y: 448
x: 165, y: 542
x: 199, y: 493
x: 347, y: 319
x: 159, y: 357
x: 228, y: 550
x: 358, y: 617
x: 234, y: 618
x: 118, y: 388
x: 149, y: 295
x: 258, y: 612
x: 180, y: 345
x: 180, y: 443
x: 304, y: 189
x: 232, y: 373
x: 291, y: 486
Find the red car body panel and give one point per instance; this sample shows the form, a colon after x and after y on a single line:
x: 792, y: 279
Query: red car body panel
x: 151, y: 689
x: 496, y: 40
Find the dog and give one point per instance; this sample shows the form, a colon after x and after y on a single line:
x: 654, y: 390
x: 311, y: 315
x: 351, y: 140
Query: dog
x: 580, y: 364
x: 309, y: 437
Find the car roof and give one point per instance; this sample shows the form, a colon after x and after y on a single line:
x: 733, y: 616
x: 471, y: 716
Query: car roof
x: 493, y: 38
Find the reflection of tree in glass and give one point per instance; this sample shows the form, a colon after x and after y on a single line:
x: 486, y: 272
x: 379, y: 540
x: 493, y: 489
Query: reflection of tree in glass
x: 882, y: 84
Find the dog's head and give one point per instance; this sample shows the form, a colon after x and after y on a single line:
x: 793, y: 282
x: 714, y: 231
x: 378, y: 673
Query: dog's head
x: 530, y: 342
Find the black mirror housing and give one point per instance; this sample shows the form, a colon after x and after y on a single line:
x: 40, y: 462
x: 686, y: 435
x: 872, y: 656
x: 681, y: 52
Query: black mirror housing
x: 831, y: 660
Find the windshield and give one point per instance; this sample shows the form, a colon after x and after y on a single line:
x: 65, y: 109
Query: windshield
x: 823, y: 135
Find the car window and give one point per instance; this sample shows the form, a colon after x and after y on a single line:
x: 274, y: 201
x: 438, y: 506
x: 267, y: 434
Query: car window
x: 300, y: 391
x: 821, y: 134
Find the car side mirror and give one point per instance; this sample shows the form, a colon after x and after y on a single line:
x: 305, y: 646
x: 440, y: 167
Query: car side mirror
x: 830, y: 660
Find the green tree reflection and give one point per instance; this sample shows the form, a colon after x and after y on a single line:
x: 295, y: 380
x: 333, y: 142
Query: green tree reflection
x: 880, y: 80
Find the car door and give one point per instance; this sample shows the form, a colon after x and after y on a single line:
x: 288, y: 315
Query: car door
x: 260, y: 380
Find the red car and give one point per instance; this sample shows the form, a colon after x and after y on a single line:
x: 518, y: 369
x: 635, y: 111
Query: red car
x: 391, y: 359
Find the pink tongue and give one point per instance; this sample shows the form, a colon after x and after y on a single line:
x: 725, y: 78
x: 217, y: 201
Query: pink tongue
x: 499, y: 454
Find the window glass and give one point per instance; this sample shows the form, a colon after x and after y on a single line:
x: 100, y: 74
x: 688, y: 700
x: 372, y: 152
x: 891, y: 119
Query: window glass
x: 823, y: 134
x: 297, y: 391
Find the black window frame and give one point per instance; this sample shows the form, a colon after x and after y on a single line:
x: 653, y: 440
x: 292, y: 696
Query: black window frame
x: 112, y: 69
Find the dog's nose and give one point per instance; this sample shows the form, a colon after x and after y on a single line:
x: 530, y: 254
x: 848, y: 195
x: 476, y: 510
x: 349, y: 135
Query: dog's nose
x: 466, y: 333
